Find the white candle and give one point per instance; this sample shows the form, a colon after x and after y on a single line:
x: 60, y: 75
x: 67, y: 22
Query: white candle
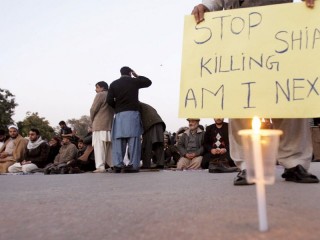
x: 259, y: 175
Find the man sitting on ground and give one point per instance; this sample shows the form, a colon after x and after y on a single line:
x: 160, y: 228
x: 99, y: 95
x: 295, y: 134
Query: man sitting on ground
x: 13, y: 149
x: 36, y: 154
x: 216, y: 145
x: 190, y: 146
x: 67, y: 153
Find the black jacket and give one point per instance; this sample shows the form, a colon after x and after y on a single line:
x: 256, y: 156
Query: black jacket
x: 123, y: 94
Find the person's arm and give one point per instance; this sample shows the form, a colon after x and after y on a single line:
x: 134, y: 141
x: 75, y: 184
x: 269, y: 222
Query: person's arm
x: 212, y: 5
x: 216, y: 5
x: 207, y: 143
x: 96, y: 105
x: 180, y: 145
x: 21, y: 146
x: 200, y: 150
x: 143, y: 82
x: 110, y: 98
x: 198, y: 12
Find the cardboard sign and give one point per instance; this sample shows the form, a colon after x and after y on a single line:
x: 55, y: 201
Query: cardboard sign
x: 260, y: 61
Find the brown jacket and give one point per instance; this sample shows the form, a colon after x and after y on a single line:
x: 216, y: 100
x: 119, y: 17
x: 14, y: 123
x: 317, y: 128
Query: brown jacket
x: 20, y: 145
x: 101, y: 113
x: 66, y: 153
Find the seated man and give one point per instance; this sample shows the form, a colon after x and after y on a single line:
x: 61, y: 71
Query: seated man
x: 216, y: 146
x: 67, y: 153
x: 190, y: 146
x: 55, y: 146
x: 36, y: 154
x: 85, y: 158
x: 13, y: 149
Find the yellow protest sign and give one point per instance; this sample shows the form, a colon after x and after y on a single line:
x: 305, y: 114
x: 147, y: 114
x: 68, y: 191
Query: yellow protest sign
x: 261, y: 61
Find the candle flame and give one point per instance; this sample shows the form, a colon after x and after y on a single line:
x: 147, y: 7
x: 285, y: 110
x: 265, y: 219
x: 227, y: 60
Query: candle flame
x: 256, y: 124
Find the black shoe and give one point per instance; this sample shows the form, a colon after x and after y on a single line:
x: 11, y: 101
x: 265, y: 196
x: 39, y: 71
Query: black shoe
x: 54, y: 171
x: 117, y: 169
x: 75, y: 170
x: 64, y: 170
x: 299, y: 174
x: 129, y: 169
x: 241, y: 179
x: 221, y: 168
x: 47, y: 171
x: 160, y: 167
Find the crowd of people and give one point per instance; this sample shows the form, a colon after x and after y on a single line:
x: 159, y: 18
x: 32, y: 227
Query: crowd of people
x: 125, y: 128
x: 128, y: 136
x: 190, y: 148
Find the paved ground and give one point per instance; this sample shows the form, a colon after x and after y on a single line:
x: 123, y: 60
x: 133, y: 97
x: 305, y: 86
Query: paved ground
x: 153, y: 205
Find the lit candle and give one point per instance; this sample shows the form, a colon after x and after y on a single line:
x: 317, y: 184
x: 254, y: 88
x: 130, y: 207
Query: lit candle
x: 259, y: 175
x: 261, y: 146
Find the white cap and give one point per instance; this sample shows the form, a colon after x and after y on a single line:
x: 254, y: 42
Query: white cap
x: 13, y: 126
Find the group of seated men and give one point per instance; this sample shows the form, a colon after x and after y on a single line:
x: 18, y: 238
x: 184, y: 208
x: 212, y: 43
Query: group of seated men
x: 18, y: 154
x: 193, y: 148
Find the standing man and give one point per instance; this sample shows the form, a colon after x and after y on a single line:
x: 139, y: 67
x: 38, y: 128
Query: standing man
x: 13, y: 149
x: 295, y: 148
x: 36, y: 154
x: 101, y: 115
x: 123, y: 96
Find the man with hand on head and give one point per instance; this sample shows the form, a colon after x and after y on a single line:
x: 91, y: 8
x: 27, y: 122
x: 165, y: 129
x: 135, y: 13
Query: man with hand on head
x: 123, y: 96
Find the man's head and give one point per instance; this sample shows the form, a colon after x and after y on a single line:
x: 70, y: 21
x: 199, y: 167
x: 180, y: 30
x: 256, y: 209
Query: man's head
x: 193, y: 123
x: 13, y: 131
x: 66, y: 140
x: 125, y: 71
x: 81, y: 144
x: 101, y: 86
x: 54, y: 141
x: 62, y: 124
x: 218, y: 121
x: 34, y: 134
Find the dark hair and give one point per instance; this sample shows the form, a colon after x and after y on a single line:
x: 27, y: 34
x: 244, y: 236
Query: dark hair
x: 57, y: 139
x: 103, y: 84
x: 125, y: 71
x: 80, y: 140
x: 62, y: 122
x: 35, y: 130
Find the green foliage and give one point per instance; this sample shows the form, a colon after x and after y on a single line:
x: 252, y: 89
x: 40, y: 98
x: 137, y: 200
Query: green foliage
x: 33, y: 120
x: 7, y: 106
x: 80, y: 125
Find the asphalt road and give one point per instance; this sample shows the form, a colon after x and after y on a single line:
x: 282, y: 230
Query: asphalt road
x: 154, y: 205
